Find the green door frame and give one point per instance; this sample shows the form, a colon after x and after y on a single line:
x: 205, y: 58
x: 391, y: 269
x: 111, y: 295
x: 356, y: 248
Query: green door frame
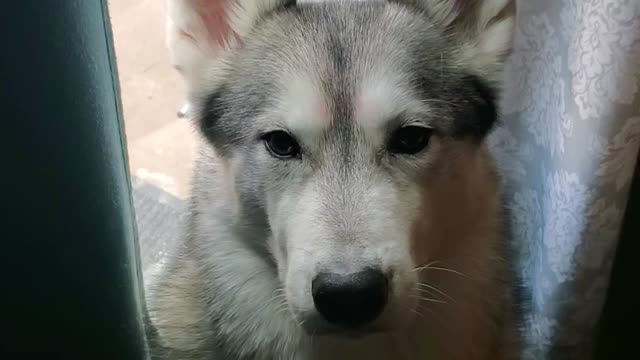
x: 72, y: 281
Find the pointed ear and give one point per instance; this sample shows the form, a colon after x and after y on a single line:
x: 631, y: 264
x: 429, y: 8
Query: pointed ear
x: 219, y: 23
x: 201, y: 32
x: 485, y: 28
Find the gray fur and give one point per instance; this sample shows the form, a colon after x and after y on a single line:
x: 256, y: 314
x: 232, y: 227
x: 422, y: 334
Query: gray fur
x: 260, y: 227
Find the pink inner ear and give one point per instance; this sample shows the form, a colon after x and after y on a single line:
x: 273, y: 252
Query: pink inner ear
x: 214, y: 16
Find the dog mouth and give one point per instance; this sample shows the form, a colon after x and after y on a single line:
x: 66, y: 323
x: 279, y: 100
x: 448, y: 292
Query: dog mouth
x: 342, y: 332
x: 314, y: 325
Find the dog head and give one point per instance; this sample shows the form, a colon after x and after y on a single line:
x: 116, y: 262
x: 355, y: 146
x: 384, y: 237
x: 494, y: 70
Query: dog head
x: 355, y: 129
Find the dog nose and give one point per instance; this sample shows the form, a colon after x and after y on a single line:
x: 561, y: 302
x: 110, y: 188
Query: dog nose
x: 350, y: 300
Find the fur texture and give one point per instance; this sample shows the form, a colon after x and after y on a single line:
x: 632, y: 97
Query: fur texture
x: 341, y: 78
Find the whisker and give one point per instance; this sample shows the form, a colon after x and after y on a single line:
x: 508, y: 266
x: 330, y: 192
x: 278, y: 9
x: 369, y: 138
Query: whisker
x: 447, y: 270
x: 417, y: 313
x: 436, y: 290
x: 282, y: 310
x: 422, y: 267
x: 433, y: 296
x: 430, y: 266
x: 279, y: 295
x: 429, y: 299
x: 426, y: 291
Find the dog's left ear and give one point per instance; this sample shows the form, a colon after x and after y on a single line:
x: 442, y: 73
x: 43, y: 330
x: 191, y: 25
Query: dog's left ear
x: 484, y: 28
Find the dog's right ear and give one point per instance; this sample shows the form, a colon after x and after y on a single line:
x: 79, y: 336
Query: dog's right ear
x: 200, y: 33
x: 219, y: 23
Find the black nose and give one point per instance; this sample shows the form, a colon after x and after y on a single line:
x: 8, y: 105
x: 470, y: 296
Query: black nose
x: 350, y: 300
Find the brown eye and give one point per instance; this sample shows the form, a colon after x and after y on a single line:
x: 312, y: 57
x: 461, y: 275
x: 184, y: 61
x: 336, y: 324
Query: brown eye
x: 410, y: 139
x: 281, y: 145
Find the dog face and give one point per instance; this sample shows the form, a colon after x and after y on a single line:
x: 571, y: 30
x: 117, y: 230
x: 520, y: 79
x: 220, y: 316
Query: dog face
x: 352, y: 128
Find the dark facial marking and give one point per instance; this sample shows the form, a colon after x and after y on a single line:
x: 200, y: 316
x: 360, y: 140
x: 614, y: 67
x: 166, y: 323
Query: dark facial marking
x: 479, y: 113
x: 468, y: 100
x: 213, y: 111
x: 229, y: 105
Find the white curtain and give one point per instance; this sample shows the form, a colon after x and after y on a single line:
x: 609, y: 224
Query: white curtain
x: 567, y: 147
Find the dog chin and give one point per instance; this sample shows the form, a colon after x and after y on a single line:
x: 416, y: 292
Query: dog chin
x: 324, y: 329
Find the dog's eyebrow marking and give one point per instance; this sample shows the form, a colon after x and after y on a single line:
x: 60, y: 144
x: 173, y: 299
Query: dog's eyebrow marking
x: 371, y: 103
x: 304, y: 104
x: 377, y: 101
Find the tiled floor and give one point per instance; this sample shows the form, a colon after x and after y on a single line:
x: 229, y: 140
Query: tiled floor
x: 161, y: 146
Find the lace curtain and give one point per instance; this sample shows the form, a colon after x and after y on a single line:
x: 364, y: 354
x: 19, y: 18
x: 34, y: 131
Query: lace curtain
x: 567, y: 148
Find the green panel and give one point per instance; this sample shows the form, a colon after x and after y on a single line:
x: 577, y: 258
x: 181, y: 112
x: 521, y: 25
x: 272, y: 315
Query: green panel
x: 70, y: 264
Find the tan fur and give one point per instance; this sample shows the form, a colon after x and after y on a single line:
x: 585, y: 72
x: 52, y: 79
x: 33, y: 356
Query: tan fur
x: 464, y: 237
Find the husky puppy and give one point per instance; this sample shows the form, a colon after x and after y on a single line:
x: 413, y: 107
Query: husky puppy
x: 344, y: 204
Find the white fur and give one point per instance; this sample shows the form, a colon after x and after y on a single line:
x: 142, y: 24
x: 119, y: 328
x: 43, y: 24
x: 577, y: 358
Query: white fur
x: 378, y: 100
x: 303, y: 106
x: 490, y: 48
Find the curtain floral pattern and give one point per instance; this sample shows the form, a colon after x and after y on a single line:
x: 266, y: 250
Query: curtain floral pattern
x: 567, y: 147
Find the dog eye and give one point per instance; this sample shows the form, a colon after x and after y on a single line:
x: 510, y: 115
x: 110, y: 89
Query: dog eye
x: 281, y: 145
x: 410, y: 139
